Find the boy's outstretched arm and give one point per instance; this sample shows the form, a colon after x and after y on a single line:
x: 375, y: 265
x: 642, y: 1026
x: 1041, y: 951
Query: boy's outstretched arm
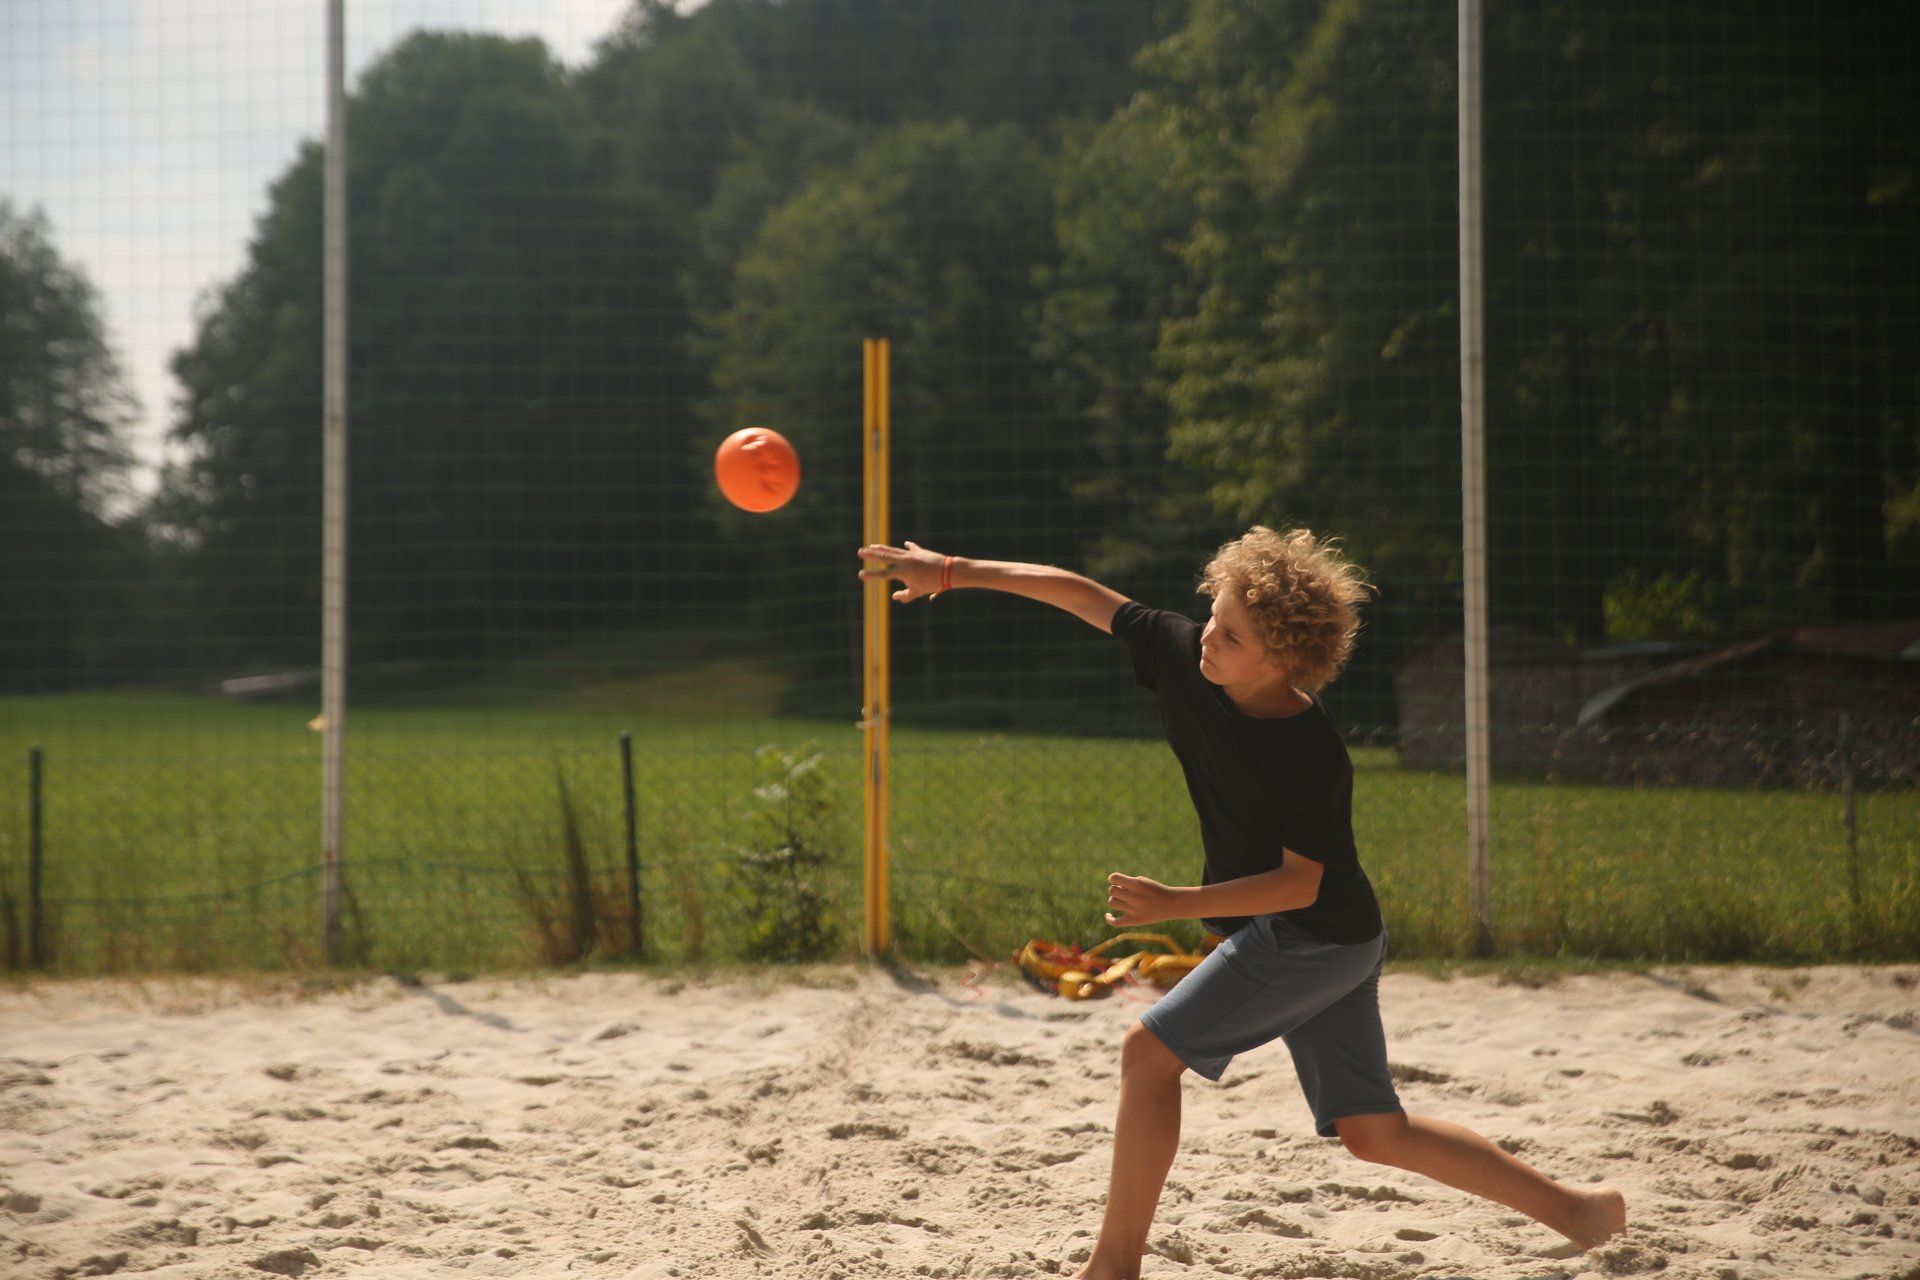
x: 919, y: 573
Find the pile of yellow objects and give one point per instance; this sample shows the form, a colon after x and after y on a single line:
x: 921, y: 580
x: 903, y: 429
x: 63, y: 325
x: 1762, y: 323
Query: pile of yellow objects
x: 1086, y: 975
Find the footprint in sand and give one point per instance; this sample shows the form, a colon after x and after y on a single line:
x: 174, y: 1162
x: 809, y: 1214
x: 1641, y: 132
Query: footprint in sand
x: 865, y: 1129
x: 1406, y: 1073
x: 993, y: 1055
x: 1257, y: 1219
x: 135, y: 1191
x: 163, y: 1231
x: 286, y: 1262
x: 1628, y: 1254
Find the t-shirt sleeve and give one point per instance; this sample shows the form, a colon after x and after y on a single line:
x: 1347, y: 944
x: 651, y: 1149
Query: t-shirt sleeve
x: 1315, y: 820
x: 1312, y: 836
x: 1156, y: 639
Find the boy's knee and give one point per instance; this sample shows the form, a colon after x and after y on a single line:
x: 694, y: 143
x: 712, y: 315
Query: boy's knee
x: 1142, y: 1052
x: 1375, y: 1139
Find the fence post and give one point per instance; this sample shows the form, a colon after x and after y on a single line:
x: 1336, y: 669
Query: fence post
x: 1853, y: 830
x: 637, y: 937
x: 36, y: 952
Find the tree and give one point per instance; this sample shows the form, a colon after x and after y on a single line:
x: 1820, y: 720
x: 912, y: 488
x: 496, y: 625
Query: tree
x: 1694, y: 226
x: 1123, y: 207
x: 876, y: 63
x: 1733, y: 230
x: 65, y: 409
x: 512, y: 323
x: 245, y: 499
x: 931, y: 237
x: 516, y: 379
x: 64, y: 458
x: 1308, y: 362
x: 1313, y: 381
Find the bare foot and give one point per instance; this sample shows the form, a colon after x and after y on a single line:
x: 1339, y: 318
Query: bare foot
x: 1099, y: 1270
x: 1602, y: 1217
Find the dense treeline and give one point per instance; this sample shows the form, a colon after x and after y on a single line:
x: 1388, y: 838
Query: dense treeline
x: 1152, y: 271
x: 64, y: 416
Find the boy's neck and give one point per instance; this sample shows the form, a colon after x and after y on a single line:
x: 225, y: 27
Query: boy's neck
x: 1276, y: 700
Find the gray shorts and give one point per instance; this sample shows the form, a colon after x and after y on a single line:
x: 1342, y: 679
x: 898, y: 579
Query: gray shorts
x: 1268, y: 981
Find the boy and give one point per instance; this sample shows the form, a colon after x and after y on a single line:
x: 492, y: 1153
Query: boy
x: 1271, y: 782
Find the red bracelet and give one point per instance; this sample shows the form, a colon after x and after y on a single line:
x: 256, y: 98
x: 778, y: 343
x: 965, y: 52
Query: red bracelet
x: 946, y: 574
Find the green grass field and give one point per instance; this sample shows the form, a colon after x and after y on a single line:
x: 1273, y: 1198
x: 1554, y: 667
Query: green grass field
x: 182, y: 833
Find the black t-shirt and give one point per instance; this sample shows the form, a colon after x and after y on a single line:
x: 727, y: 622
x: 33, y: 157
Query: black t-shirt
x: 1259, y: 785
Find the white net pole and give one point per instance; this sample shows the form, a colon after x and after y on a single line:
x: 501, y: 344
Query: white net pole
x: 333, y: 570
x: 1473, y: 491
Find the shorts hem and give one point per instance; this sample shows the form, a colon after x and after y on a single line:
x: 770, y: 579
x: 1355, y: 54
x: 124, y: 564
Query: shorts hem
x: 1323, y: 1125
x: 1206, y: 1068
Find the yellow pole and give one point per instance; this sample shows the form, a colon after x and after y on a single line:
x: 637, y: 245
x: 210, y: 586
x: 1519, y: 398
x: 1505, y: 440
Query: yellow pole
x: 872, y: 603
x: 882, y: 888
x: 876, y: 693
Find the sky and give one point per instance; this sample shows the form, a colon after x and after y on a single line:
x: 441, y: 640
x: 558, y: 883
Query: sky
x: 149, y: 131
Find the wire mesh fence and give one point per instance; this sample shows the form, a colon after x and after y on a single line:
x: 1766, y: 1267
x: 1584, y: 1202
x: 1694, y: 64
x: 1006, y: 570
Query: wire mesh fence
x: 1151, y: 272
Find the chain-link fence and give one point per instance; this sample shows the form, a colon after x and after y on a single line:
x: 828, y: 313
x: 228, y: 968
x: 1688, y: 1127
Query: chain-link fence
x: 1151, y: 272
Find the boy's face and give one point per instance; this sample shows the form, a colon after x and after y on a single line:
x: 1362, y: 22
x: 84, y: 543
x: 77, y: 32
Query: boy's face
x: 1231, y: 652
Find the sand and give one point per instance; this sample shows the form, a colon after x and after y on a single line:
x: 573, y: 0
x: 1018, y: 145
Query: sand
x: 852, y: 1122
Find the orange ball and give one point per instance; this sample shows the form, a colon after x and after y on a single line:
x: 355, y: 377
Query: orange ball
x: 757, y: 469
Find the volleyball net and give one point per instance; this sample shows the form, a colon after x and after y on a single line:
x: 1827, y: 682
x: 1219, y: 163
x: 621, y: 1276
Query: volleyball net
x: 1150, y: 273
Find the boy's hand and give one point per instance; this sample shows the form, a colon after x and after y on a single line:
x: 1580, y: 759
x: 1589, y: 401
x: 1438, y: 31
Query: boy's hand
x: 915, y: 568
x: 1137, y: 900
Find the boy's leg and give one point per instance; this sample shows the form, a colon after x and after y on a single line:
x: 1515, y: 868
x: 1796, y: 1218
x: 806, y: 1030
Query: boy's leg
x: 1461, y: 1158
x: 1341, y: 1055
x: 1264, y: 979
x: 1145, y: 1136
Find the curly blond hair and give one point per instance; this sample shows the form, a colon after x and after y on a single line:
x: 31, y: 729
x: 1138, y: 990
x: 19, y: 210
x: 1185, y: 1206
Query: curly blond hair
x: 1303, y: 595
